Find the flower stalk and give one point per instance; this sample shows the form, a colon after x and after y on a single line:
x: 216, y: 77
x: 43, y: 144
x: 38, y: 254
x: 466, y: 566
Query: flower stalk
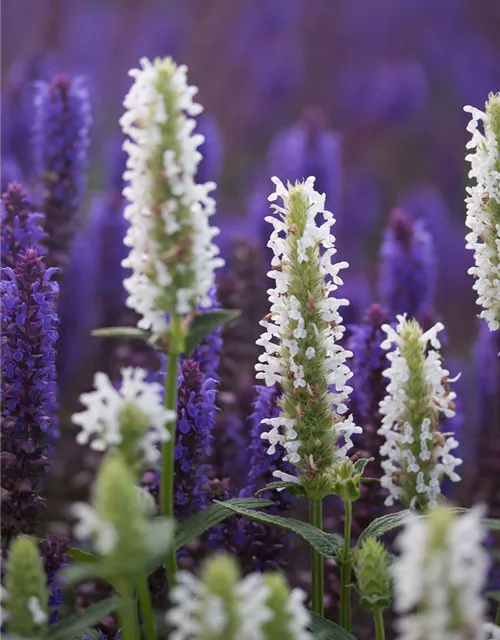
x: 317, y: 564
x: 346, y: 569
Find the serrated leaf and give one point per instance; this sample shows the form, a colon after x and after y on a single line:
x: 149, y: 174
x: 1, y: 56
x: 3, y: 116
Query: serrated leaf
x: 205, y: 323
x: 327, y: 544
x: 122, y: 332
x: 324, y: 629
x: 157, y: 539
x: 384, y: 524
x: 203, y: 520
x: 74, y: 626
x: 81, y: 556
x: 293, y: 487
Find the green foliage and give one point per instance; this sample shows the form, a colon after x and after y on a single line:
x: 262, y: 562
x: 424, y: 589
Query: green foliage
x: 384, y: 524
x: 73, y: 627
x: 203, y: 324
x: 324, y: 629
x: 203, y: 520
x: 327, y: 544
x: 293, y: 488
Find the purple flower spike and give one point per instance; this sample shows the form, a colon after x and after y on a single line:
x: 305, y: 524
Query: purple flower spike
x: 195, y: 423
x: 21, y: 225
x: 407, y: 267
x: 29, y: 333
x: 62, y: 123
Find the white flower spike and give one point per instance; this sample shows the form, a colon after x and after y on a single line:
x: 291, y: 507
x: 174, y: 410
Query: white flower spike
x: 417, y: 455
x: 172, y: 255
x: 483, y: 208
x: 132, y: 416
x: 301, y: 334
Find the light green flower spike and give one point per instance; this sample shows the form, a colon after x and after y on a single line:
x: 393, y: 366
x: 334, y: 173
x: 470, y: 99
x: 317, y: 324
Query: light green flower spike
x: 372, y: 575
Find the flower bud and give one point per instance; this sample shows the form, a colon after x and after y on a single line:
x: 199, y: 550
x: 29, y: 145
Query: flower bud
x: 26, y: 595
x: 344, y: 480
x: 290, y: 618
x: 372, y: 575
x: 116, y: 521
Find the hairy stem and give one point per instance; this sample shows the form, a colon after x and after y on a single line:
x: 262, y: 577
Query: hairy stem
x: 148, y: 622
x: 345, y: 571
x: 317, y: 578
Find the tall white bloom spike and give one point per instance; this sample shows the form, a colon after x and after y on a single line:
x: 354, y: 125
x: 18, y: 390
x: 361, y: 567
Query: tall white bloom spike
x: 132, y: 419
x: 483, y: 208
x: 417, y: 455
x: 172, y: 255
x: 301, y: 334
x: 440, y: 575
x: 221, y: 605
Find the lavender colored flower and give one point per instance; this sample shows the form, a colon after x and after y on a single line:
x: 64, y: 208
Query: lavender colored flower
x: 62, y: 123
x: 407, y: 267
x: 207, y: 353
x: 195, y: 422
x: 308, y: 149
x: 54, y: 552
x: 29, y: 333
x: 21, y: 225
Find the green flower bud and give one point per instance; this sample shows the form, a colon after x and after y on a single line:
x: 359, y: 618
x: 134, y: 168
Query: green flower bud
x: 290, y: 619
x: 26, y: 595
x: 344, y: 478
x: 372, y: 575
x: 116, y: 521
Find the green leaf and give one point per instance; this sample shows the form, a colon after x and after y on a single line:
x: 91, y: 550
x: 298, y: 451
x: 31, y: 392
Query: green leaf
x: 157, y: 539
x: 386, y: 523
x: 205, y: 323
x: 122, y: 332
x: 293, y: 487
x: 493, y: 595
x: 324, y: 629
x: 204, y: 520
x: 81, y: 556
x: 327, y: 544
x: 74, y: 626
x: 360, y: 465
x: 493, y: 524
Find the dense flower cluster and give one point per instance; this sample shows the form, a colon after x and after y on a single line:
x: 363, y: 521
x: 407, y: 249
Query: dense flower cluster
x: 62, y: 123
x: 132, y: 418
x: 29, y: 334
x: 483, y: 208
x: 440, y: 575
x: 220, y: 604
x: 301, y: 335
x: 21, y: 225
x: 407, y: 267
x: 417, y: 455
x: 195, y: 423
x: 172, y: 255
x: 207, y: 353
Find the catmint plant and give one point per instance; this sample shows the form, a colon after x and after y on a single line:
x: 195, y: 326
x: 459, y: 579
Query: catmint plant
x: 131, y: 419
x: 302, y: 353
x: 417, y: 455
x: 172, y: 253
x: 439, y: 576
x: 220, y: 604
x: 25, y: 595
x: 483, y: 208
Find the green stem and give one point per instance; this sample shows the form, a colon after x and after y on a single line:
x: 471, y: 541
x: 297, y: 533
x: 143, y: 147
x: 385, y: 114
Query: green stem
x: 345, y: 571
x: 378, y: 617
x: 127, y: 612
x: 148, y: 622
x: 497, y: 619
x: 317, y: 578
x: 167, y: 471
